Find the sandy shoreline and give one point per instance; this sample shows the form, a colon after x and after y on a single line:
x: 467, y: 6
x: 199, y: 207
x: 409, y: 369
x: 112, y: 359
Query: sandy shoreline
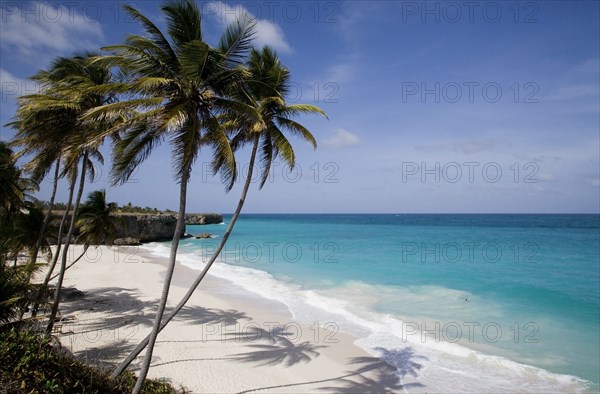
x: 219, y: 343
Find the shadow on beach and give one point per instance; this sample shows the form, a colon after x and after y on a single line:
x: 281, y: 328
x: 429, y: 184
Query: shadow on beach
x: 368, y: 375
x: 111, y: 339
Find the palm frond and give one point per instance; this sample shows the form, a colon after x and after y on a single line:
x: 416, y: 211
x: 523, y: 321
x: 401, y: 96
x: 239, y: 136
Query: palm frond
x: 300, y: 109
x: 183, y: 21
x: 158, y: 38
x: 133, y: 148
x: 237, y: 39
x: 298, y: 129
x: 193, y: 57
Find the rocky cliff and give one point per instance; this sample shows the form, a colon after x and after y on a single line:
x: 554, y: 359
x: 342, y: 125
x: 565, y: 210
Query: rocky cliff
x: 135, y: 228
x: 203, y: 218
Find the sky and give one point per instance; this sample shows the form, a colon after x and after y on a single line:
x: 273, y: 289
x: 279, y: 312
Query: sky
x: 434, y: 107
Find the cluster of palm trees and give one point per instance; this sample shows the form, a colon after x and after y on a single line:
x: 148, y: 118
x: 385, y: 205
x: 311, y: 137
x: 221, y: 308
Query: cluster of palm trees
x: 24, y: 233
x: 153, y: 88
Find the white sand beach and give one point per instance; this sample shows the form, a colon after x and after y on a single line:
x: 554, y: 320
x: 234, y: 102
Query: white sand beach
x: 218, y: 343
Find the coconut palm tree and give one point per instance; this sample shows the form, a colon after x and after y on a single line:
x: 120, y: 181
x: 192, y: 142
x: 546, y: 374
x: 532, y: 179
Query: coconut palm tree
x: 22, y: 237
x: 11, y: 195
x: 261, y: 124
x: 41, y: 134
x: 20, y: 219
x: 71, y: 87
x: 36, y: 137
x: 15, y: 189
x: 15, y: 200
x: 46, y: 123
x: 179, y: 84
x: 96, y: 223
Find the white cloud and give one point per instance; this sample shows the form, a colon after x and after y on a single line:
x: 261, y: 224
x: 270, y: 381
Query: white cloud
x: 12, y: 86
x: 341, y: 139
x: 7, y: 78
x: 39, y: 31
x: 270, y: 34
x: 267, y: 32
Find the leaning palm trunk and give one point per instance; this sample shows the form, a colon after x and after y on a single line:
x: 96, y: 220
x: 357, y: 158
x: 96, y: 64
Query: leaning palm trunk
x: 119, y: 370
x: 63, y: 262
x: 40, y: 240
x: 156, y: 326
x: 61, y: 226
x: 85, y: 248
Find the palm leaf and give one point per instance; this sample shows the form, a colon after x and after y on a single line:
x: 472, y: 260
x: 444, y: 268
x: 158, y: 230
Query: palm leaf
x: 183, y: 21
x: 237, y: 39
x: 297, y: 129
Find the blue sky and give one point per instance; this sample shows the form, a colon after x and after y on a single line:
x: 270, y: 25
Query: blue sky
x: 436, y: 107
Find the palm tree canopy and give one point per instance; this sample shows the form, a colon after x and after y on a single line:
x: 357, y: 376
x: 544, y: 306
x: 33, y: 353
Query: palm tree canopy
x: 177, y: 86
x: 14, y: 187
x: 265, y: 91
x: 96, y: 221
x: 49, y: 124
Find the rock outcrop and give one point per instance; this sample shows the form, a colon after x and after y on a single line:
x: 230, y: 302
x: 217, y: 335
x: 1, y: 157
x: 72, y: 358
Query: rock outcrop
x: 203, y: 218
x: 133, y: 229
x: 145, y: 228
x: 202, y: 236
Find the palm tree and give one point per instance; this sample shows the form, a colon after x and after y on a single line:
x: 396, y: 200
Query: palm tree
x: 19, y: 222
x: 179, y: 85
x: 41, y: 133
x: 11, y: 195
x: 37, y: 137
x: 14, y: 187
x: 22, y: 237
x: 71, y: 87
x: 15, y: 199
x: 46, y: 123
x: 261, y: 124
x: 15, y: 288
x: 96, y: 223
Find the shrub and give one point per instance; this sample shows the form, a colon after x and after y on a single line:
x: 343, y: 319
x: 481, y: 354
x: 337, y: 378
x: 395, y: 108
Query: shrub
x: 30, y: 363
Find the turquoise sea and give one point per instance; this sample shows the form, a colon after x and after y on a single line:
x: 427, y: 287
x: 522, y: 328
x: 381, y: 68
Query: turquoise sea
x: 481, y: 297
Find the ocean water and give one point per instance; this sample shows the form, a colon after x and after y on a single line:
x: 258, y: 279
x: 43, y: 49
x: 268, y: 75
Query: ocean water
x: 495, y: 302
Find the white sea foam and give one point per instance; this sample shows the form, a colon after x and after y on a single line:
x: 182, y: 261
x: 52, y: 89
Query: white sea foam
x: 441, y: 364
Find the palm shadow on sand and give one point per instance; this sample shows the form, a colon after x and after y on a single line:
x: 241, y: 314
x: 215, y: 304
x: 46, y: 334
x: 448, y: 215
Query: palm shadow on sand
x: 124, y: 316
x: 369, y: 374
x: 279, y: 351
x: 283, y: 352
x: 380, y: 374
x: 200, y: 315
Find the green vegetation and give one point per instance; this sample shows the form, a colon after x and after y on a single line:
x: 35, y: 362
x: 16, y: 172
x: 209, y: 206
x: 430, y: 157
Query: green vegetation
x: 31, y: 364
x: 127, y: 208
